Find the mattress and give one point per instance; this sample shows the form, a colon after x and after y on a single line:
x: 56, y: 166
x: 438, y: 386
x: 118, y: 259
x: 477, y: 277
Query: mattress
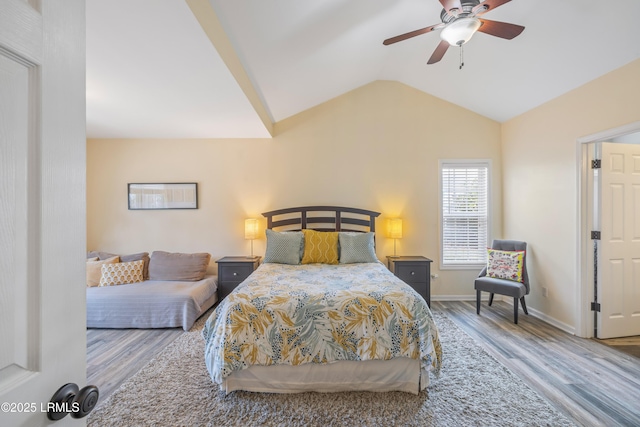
x: 150, y: 304
x: 320, y: 315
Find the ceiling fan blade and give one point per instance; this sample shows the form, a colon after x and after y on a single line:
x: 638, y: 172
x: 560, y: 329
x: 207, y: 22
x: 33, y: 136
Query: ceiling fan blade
x: 405, y: 36
x: 437, y: 54
x: 488, y: 5
x: 500, y: 29
x: 450, y: 5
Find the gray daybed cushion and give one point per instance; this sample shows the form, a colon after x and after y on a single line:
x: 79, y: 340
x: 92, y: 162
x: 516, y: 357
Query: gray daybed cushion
x: 178, y: 266
x: 150, y: 304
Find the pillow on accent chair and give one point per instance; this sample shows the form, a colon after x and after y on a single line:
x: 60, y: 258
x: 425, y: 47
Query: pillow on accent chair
x: 505, y: 264
x: 357, y: 248
x: 94, y: 270
x: 178, y: 266
x: 320, y: 247
x: 122, y: 273
x: 284, y: 247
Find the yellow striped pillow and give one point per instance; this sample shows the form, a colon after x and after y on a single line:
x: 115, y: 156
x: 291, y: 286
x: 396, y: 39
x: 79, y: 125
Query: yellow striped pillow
x: 320, y: 247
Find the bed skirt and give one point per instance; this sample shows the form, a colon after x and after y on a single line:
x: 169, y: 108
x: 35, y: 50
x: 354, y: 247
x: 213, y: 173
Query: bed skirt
x: 399, y: 374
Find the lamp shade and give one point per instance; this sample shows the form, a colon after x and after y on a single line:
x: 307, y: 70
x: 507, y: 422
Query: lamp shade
x: 395, y: 228
x: 250, y: 228
x: 460, y: 31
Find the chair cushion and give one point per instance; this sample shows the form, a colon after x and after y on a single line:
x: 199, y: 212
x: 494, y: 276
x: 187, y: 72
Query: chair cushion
x: 500, y: 286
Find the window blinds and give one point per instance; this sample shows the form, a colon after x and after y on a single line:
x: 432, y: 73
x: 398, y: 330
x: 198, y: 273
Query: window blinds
x: 464, y: 213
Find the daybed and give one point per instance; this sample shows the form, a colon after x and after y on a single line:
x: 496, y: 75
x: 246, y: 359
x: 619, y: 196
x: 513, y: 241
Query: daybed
x: 170, y: 290
x: 322, y: 316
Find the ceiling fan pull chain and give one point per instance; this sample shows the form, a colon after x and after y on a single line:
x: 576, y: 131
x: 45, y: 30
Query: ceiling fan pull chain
x: 461, y: 58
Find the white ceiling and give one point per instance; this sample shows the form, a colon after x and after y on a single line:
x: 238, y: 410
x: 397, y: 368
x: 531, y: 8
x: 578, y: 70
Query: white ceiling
x: 152, y: 72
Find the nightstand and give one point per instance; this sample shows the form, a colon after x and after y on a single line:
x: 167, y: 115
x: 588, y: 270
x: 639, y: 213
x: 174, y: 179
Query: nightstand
x: 415, y: 271
x: 232, y: 270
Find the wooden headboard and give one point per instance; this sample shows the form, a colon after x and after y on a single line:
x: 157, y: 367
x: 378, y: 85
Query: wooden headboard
x: 322, y: 218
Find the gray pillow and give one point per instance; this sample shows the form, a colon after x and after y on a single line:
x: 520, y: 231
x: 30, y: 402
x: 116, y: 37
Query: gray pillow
x: 177, y: 266
x: 284, y: 247
x: 356, y: 248
x: 144, y: 256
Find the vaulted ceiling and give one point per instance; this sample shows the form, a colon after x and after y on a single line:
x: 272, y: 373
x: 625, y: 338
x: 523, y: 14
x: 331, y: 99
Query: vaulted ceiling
x: 230, y: 69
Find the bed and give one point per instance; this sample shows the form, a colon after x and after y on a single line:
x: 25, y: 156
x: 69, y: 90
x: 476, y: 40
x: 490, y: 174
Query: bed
x: 322, y: 326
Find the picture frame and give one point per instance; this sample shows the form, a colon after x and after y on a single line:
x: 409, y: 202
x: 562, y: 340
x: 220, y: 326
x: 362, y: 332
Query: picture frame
x: 169, y: 195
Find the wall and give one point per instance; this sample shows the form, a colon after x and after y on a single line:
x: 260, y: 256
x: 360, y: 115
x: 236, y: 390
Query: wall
x: 376, y: 148
x: 540, y: 186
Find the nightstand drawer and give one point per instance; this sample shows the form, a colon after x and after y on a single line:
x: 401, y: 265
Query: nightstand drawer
x: 233, y: 270
x: 235, y: 273
x: 411, y: 272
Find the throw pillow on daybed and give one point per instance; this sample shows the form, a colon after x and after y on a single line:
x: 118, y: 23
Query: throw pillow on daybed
x: 178, y: 266
x: 122, y: 273
x: 94, y: 270
x: 144, y: 256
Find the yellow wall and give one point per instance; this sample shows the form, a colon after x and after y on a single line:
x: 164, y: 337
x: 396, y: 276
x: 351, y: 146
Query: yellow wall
x: 540, y: 187
x: 376, y: 148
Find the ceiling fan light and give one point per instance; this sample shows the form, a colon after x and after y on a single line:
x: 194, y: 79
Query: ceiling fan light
x: 460, y: 31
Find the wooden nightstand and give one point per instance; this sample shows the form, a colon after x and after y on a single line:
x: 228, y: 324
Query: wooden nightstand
x: 414, y: 271
x: 232, y: 270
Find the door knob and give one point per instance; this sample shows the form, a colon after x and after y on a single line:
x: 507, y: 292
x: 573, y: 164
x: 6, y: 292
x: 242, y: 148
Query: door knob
x: 69, y: 399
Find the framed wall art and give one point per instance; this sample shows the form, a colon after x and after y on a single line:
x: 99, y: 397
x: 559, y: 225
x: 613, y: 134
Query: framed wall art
x: 173, y: 195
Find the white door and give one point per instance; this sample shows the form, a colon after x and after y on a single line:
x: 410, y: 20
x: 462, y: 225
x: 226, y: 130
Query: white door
x: 42, y: 206
x: 619, y: 266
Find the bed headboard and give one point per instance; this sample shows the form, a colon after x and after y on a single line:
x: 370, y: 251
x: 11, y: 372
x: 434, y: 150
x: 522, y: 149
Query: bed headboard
x: 322, y: 218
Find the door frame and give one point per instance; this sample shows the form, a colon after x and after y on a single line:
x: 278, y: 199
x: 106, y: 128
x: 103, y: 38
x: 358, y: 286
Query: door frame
x: 584, y: 291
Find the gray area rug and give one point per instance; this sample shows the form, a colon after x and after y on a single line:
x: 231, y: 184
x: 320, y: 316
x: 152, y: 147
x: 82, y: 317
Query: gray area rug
x: 175, y: 389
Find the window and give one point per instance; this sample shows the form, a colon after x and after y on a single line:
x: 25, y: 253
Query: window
x: 464, y: 221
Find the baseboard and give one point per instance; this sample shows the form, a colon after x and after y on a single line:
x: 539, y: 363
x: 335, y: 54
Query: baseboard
x: 532, y: 311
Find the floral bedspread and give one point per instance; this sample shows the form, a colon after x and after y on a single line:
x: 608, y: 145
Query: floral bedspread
x: 318, y: 313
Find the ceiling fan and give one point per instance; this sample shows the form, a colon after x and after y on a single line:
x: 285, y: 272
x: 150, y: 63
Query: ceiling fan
x: 460, y: 21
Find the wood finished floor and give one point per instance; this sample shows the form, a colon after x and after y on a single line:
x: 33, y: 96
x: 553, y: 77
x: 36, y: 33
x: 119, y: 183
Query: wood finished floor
x: 591, y: 383
x: 113, y: 355
x: 629, y: 345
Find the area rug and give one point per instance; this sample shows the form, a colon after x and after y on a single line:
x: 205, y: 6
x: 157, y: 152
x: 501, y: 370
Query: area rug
x: 174, y: 389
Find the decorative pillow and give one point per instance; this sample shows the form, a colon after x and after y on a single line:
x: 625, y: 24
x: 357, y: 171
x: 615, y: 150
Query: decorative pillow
x: 125, y: 258
x: 320, y: 247
x: 178, y: 266
x: 284, y: 247
x: 505, y: 264
x: 357, y: 247
x: 121, y: 273
x: 95, y: 258
x: 94, y: 270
